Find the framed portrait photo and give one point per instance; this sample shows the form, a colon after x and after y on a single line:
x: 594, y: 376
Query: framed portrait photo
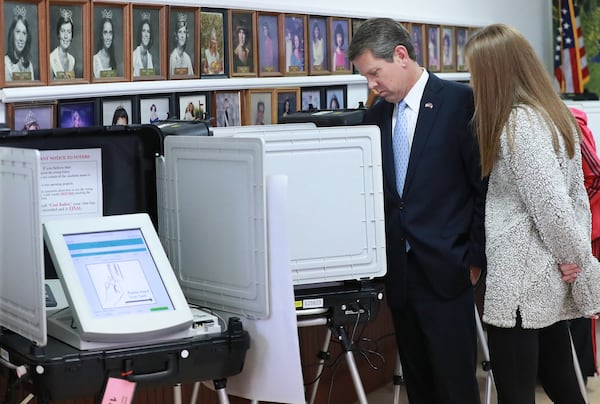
x: 242, y: 43
x: 77, y: 113
x: 260, y: 107
x: 184, y: 43
x: 69, y: 40
x: 448, y: 49
x: 31, y: 115
x: 311, y: 98
x: 227, y: 108
x: 433, y: 48
x: 110, y: 37
x: 193, y: 106
x: 417, y: 33
x: 294, y: 44
x: 117, y: 111
x: 213, y: 37
x: 339, y: 39
x: 318, y: 48
x: 335, y: 96
x: 25, y: 63
x: 268, y: 44
x: 355, y: 24
x: 148, y: 45
x: 154, y: 108
x: 288, y: 102
x: 461, y: 35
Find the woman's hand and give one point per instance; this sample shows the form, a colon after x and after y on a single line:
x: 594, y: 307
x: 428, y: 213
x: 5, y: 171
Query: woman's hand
x: 569, y: 272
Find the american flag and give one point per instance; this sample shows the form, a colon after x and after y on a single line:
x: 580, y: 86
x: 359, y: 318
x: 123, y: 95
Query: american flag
x: 570, y: 64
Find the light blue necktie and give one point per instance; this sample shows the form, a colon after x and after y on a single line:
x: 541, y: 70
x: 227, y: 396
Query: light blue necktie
x: 400, y: 146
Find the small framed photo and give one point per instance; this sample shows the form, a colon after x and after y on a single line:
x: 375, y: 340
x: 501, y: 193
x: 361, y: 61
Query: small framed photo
x: 433, y: 48
x: 311, y: 98
x: 117, y: 111
x: 147, y: 43
x: 294, y: 34
x: 462, y: 35
x: 319, y: 45
x: 155, y: 108
x: 268, y: 44
x: 335, y: 97
x: 31, y: 115
x: 77, y: 113
x: 25, y: 62
x: 340, y: 37
x: 260, y: 107
x: 417, y: 33
x: 184, y: 49
x: 194, y: 106
x: 110, y: 30
x: 227, y: 108
x: 448, y: 49
x: 69, y: 40
x: 242, y: 43
x: 288, y: 101
x: 213, y: 37
x: 356, y: 23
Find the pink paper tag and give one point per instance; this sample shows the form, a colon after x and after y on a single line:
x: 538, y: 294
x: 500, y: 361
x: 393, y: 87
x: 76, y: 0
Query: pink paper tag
x: 118, y: 391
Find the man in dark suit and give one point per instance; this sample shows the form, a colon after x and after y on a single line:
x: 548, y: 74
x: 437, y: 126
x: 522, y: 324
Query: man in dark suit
x: 434, y: 221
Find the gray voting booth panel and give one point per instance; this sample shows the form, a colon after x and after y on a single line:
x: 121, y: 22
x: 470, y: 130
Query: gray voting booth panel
x: 335, y: 200
x: 22, y: 294
x: 216, y: 229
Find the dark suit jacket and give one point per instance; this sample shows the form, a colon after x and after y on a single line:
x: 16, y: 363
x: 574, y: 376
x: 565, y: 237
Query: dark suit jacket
x: 441, y: 212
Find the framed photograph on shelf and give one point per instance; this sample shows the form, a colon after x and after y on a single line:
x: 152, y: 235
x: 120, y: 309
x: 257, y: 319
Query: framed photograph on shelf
x: 25, y: 64
x: 335, y: 96
x: 417, y: 33
x: 294, y: 34
x: 462, y: 35
x: 31, y: 115
x: 318, y: 49
x: 193, y: 106
x: 242, y: 43
x: 448, y: 49
x: 227, y: 109
x: 213, y: 37
x: 184, y: 48
x: 355, y: 24
x: 154, y: 108
x: 69, y: 40
x: 117, y: 111
x: 311, y: 98
x: 339, y: 40
x: 110, y: 37
x: 77, y: 113
x: 148, y: 43
x: 260, y: 107
x: 288, y: 101
x: 268, y: 44
x: 433, y: 48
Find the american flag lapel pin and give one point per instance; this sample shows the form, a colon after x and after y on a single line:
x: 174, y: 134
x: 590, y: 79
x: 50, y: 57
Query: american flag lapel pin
x: 429, y: 105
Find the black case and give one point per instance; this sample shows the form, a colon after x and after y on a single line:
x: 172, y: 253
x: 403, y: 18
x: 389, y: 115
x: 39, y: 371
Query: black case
x: 129, y: 186
x: 322, y: 118
x: 183, y: 127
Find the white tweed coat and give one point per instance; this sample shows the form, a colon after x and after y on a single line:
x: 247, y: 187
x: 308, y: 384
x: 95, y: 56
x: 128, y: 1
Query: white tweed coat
x: 537, y: 216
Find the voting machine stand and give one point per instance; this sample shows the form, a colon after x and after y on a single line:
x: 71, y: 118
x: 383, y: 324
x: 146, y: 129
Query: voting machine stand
x: 125, y: 161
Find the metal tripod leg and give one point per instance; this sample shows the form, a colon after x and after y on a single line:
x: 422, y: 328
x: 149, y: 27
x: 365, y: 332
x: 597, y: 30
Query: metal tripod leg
x: 342, y: 335
x: 485, y: 364
x: 580, y: 380
x: 398, y: 380
x: 322, y: 357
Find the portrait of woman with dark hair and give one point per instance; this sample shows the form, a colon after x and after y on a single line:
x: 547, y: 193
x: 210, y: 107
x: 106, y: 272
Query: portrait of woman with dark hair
x: 242, y: 53
x: 297, y: 57
x: 153, y: 114
x: 62, y: 62
x: 120, y: 116
x: 339, y: 59
x: 17, y: 60
x: 142, y: 58
x: 105, y: 63
x: 318, y: 47
x: 180, y: 62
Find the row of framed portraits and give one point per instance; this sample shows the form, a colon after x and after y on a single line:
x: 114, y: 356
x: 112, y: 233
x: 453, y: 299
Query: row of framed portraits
x: 220, y: 108
x: 51, y: 42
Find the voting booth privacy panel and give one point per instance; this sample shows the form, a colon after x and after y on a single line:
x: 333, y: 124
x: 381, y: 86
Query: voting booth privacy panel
x: 125, y: 161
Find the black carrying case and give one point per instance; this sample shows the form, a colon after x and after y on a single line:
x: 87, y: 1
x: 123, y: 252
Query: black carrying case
x: 324, y: 118
x: 129, y: 186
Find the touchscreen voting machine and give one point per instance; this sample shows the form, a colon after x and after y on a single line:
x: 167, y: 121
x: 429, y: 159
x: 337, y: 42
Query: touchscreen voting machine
x: 118, y: 281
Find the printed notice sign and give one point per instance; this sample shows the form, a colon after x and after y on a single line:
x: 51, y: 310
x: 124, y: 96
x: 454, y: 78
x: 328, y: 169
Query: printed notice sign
x: 71, y: 183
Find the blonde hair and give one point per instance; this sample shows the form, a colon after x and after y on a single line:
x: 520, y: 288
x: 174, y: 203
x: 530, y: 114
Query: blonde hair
x: 506, y: 72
